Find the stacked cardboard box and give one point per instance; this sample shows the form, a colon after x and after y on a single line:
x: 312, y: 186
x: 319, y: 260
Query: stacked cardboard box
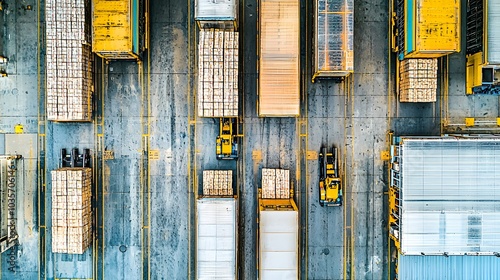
x: 418, y: 80
x: 71, y: 210
x: 218, y: 183
x: 218, y: 73
x: 68, y: 61
x: 275, y: 183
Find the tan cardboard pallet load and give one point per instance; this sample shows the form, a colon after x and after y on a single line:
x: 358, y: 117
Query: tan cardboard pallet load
x: 218, y: 73
x: 68, y: 61
x: 275, y: 183
x: 218, y: 183
x: 418, y: 80
x: 71, y: 210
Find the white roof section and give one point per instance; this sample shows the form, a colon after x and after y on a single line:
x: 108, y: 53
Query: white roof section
x: 450, y: 196
x: 493, y: 31
x: 216, y: 238
x: 216, y: 10
x: 278, y: 245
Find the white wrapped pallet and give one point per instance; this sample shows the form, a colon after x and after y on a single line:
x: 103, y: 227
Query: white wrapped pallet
x: 68, y: 61
x: 71, y: 210
x: 218, y: 73
x: 218, y: 183
x: 418, y: 80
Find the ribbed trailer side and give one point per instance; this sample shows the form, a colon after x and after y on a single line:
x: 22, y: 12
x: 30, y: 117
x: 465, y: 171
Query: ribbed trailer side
x: 279, y: 54
x: 493, y: 13
x: 278, y: 244
x: 333, y: 37
x: 118, y: 28
x: 216, y: 242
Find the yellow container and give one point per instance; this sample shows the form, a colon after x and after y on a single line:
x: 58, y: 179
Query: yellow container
x: 115, y: 28
x: 432, y: 28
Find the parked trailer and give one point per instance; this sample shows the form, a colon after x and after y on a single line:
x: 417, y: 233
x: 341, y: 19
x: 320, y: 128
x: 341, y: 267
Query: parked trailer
x: 426, y: 28
x: 217, y: 227
x: 279, y: 55
x: 278, y: 227
x: 119, y: 28
x: 333, y: 38
x: 483, y: 47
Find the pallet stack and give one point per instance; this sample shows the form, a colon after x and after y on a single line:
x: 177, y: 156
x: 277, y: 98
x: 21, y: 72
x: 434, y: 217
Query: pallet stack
x: 218, y: 73
x: 418, y: 80
x: 275, y: 183
x: 218, y: 183
x: 71, y: 210
x: 68, y: 61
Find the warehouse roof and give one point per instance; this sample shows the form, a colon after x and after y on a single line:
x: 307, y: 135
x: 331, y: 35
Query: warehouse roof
x: 450, y: 196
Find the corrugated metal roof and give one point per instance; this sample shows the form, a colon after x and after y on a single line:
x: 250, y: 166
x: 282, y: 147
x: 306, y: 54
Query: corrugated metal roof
x: 450, y: 196
x: 493, y: 31
x: 453, y: 267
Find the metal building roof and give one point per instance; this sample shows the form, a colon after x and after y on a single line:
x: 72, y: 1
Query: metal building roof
x: 493, y: 31
x: 450, y: 196
x: 451, y: 268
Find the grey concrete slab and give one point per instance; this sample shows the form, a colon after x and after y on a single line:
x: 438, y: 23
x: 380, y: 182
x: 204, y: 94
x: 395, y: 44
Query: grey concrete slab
x: 22, y: 144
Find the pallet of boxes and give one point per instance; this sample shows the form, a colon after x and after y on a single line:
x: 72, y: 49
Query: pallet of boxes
x: 71, y: 210
x: 418, y: 80
x: 275, y: 183
x: 218, y: 183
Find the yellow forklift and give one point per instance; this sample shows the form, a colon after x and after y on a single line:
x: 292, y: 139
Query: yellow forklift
x: 330, y: 187
x: 226, y: 143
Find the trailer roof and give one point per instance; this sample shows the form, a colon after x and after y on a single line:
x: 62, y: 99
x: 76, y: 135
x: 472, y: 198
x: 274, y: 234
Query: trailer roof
x: 450, y: 195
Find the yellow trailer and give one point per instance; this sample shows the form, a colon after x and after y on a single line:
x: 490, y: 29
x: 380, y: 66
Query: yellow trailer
x: 426, y: 28
x: 119, y: 28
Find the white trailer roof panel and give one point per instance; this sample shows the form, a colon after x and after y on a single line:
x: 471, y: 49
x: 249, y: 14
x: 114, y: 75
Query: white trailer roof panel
x: 450, y: 196
x: 216, y: 238
x: 278, y: 245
